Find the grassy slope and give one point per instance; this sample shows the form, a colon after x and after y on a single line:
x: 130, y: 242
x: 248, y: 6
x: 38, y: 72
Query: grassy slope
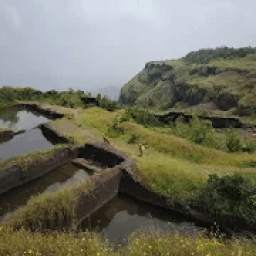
x: 171, y: 165
x: 237, y: 78
x: 234, y: 82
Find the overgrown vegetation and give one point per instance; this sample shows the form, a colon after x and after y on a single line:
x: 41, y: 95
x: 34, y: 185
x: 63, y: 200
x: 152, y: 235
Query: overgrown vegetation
x: 141, y: 116
x: 21, y: 243
x: 197, y: 131
x: 203, y: 56
x: 70, y: 98
x: 202, y: 132
x: 106, y: 103
x: 89, y: 244
x: 9, y: 95
x: 49, y: 210
x: 229, y: 199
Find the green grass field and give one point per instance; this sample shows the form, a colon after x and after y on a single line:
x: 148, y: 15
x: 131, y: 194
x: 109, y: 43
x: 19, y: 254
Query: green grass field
x: 171, y: 165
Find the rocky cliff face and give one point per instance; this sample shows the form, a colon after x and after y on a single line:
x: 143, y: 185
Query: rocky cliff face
x: 153, y: 84
x: 224, y: 83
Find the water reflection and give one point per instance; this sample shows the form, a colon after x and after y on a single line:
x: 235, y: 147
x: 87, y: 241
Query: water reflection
x: 31, y: 140
x: 20, y: 119
x: 123, y: 216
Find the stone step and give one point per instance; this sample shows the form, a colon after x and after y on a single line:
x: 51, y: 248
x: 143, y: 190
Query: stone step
x: 81, y: 162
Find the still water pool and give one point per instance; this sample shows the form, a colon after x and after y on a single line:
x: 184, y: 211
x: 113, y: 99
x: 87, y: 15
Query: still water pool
x: 32, y: 139
x: 123, y: 216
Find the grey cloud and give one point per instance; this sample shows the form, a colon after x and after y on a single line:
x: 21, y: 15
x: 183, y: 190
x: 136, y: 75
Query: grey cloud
x: 97, y: 43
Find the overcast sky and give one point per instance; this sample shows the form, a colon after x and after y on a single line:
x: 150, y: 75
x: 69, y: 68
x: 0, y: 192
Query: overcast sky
x: 99, y: 43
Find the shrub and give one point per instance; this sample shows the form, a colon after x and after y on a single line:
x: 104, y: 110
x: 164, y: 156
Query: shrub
x: 203, y: 56
x: 9, y: 95
x: 199, y: 132
x: 202, y: 132
x: 142, y: 116
x: 70, y: 98
x: 233, y: 141
x: 133, y: 138
x: 106, y: 103
x: 228, y: 198
x: 115, y: 130
x: 249, y: 146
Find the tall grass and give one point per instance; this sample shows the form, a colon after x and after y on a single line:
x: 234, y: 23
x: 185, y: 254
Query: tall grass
x: 49, y: 210
x: 181, y: 148
x: 141, y: 244
x: 21, y: 243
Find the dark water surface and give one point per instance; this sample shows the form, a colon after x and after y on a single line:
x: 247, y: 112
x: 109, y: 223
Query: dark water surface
x: 31, y: 140
x: 123, y: 216
x: 55, y: 180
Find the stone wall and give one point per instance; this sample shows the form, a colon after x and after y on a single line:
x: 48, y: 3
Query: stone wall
x: 13, y: 175
x: 217, y: 122
x: 105, y: 187
x: 132, y: 186
x: 101, y: 154
x: 52, y: 135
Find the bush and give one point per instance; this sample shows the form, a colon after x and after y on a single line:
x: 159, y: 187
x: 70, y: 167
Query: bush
x: 133, y: 138
x: 106, y: 103
x: 249, y: 146
x: 202, y: 132
x: 115, y: 130
x: 228, y: 198
x: 70, y: 98
x: 203, y: 56
x: 142, y: 116
x: 233, y: 141
x: 199, y: 132
x: 9, y: 95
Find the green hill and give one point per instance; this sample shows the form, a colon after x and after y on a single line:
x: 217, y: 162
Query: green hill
x: 221, y: 79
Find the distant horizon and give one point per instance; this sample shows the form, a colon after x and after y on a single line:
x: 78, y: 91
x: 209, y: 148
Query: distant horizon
x: 96, y: 44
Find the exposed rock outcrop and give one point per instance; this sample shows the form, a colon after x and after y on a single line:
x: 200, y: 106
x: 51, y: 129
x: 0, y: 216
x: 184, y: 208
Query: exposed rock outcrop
x: 228, y: 83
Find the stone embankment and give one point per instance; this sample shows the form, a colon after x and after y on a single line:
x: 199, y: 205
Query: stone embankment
x: 217, y: 121
x: 14, y: 175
